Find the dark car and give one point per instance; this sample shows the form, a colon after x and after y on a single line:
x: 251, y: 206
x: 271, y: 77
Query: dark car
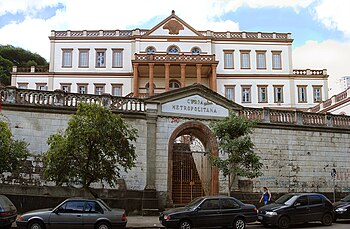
x: 216, y: 211
x: 8, y: 212
x: 295, y: 209
x: 74, y: 213
x: 342, y: 208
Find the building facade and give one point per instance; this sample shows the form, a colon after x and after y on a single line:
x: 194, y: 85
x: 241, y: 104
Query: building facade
x: 253, y: 69
x: 344, y: 82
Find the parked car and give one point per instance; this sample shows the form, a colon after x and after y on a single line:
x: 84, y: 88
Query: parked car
x: 342, y: 208
x: 8, y: 212
x: 74, y: 213
x: 208, y: 211
x: 295, y: 209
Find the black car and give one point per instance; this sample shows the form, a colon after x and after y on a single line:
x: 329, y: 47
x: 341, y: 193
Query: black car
x: 215, y: 211
x: 342, y: 208
x: 8, y: 212
x: 295, y: 209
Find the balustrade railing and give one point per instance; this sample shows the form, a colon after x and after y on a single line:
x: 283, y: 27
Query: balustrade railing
x: 174, y: 58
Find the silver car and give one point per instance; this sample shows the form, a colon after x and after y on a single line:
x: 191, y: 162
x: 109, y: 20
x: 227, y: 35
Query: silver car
x: 74, y: 213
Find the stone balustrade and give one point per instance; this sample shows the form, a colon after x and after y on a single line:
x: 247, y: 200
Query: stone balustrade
x: 309, y: 72
x: 16, y: 69
x: 185, y: 58
x: 58, y: 98
x: 331, y: 101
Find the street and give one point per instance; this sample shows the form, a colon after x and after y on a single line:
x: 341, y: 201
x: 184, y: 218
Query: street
x: 341, y: 224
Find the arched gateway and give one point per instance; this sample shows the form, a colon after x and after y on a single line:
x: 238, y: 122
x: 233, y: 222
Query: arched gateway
x: 190, y: 172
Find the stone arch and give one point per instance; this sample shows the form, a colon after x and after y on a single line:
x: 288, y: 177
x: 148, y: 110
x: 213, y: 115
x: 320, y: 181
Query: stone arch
x: 205, y: 135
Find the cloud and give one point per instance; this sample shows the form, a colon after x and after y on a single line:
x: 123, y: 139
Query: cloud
x: 24, y: 6
x: 330, y: 54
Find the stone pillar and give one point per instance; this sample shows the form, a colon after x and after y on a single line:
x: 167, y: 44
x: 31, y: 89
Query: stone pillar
x: 50, y: 82
x: 199, y: 73
x: 151, y: 120
x: 151, y: 79
x: 59, y: 98
x: 167, y: 76
x: 136, y: 80
x: 106, y: 100
x: 183, y: 75
x: 213, y: 77
x: 11, y: 94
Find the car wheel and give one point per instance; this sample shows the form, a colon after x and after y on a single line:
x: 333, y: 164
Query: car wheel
x: 185, y: 224
x: 103, y: 225
x: 239, y: 223
x: 283, y: 222
x: 36, y: 225
x: 327, y: 219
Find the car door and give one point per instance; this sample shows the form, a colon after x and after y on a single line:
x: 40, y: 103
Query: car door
x: 229, y: 210
x: 316, y: 207
x: 92, y: 212
x: 208, y: 214
x: 300, y: 211
x: 68, y: 215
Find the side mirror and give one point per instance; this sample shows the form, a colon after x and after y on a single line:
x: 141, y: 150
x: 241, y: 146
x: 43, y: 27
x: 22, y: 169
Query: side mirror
x: 198, y: 208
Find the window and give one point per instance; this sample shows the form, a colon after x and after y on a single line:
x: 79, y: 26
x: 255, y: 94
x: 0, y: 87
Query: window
x: 246, y: 94
x: 100, y: 58
x: 66, y: 87
x: 317, y: 94
x: 276, y: 60
x: 174, y: 84
x: 210, y: 204
x: 228, y: 59
x: 41, y: 86
x: 302, y: 201
x: 173, y: 50
x: 92, y: 207
x: 195, y: 51
x: 99, y: 89
x: 230, y: 92
x: 261, y: 59
x: 72, y: 207
x: 67, y: 58
x: 82, y: 88
x: 245, y: 59
x: 315, y: 199
x: 117, y: 58
x: 278, y: 91
x: 262, y: 94
x: 83, y: 58
x: 229, y: 204
x: 147, y: 87
x: 117, y: 89
x: 150, y: 50
x: 22, y: 85
x: 302, y: 94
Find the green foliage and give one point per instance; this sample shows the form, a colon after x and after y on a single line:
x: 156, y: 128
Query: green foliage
x: 14, y: 56
x: 12, y: 152
x: 96, y: 145
x: 233, y: 134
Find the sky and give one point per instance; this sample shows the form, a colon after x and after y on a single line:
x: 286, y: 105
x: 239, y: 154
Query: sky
x: 320, y: 28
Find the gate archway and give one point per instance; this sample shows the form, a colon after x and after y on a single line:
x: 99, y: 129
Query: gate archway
x: 190, y: 173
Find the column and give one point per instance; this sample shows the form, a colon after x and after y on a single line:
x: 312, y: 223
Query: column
x: 183, y: 75
x: 167, y: 76
x: 151, y: 79
x: 136, y: 80
x: 213, y: 77
x: 199, y: 73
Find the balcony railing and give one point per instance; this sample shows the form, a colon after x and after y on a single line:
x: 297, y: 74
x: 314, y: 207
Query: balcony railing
x: 184, y: 58
x: 308, y: 72
x: 326, y: 105
x: 30, y: 69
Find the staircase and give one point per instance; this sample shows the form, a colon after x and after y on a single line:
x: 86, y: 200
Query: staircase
x: 150, y: 203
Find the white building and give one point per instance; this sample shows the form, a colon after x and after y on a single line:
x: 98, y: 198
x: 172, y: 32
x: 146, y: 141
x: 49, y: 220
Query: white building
x: 344, y: 82
x: 254, y: 69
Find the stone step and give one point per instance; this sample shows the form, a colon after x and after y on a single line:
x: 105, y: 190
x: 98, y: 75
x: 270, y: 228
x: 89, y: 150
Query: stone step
x: 150, y: 212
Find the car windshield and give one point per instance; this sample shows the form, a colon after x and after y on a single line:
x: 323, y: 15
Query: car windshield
x: 194, y: 202
x: 287, y: 199
x: 346, y: 199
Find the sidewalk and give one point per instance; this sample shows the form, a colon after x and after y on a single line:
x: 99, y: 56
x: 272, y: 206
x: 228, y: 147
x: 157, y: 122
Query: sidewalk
x: 143, y: 222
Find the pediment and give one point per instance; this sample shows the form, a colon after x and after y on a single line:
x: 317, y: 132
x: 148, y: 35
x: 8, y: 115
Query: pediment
x: 193, y: 101
x: 173, y: 26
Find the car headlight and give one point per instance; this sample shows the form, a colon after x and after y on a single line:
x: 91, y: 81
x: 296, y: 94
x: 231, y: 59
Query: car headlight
x: 341, y: 210
x: 271, y: 213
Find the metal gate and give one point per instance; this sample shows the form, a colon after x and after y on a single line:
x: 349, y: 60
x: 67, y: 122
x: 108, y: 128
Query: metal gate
x: 186, y: 180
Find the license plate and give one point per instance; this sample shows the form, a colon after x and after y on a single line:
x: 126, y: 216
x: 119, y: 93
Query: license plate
x: 260, y: 217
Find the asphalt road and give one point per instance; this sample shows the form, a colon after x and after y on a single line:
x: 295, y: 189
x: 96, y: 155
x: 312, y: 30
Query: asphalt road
x: 340, y: 224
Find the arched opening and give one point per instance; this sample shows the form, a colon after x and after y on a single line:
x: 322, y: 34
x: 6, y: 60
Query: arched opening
x: 190, y: 172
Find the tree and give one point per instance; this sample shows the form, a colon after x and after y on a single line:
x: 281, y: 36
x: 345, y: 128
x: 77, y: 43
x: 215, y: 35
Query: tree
x: 96, y: 145
x: 233, y: 134
x: 12, y: 152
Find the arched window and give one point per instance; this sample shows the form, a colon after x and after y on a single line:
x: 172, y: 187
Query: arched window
x: 195, y: 50
x: 174, y: 84
x: 147, y: 87
x: 173, y: 50
x: 150, y: 50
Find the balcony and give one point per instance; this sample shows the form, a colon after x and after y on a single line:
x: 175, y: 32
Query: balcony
x: 175, y: 58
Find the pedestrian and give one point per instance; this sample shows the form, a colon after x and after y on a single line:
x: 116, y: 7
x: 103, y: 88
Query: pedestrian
x: 266, y: 196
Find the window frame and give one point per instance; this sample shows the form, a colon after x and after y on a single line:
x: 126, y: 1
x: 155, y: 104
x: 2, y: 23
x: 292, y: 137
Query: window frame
x: 120, y: 64
x: 85, y: 85
x: 314, y: 87
x: 249, y: 87
x: 174, y: 82
x: 242, y: 54
x: 230, y: 87
x: 104, y: 51
x: 87, y: 60
x: 151, y: 48
x: 229, y: 52
x: 300, y: 88
x: 259, y: 52
x: 196, y: 48
x: 119, y: 86
x: 69, y: 85
x: 22, y: 85
x: 173, y: 53
x: 278, y: 53
x: 275, y: 87
x: 97, y: 85
x: 39, y: 85
x: 70, y: 52
x: 266, y: 94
